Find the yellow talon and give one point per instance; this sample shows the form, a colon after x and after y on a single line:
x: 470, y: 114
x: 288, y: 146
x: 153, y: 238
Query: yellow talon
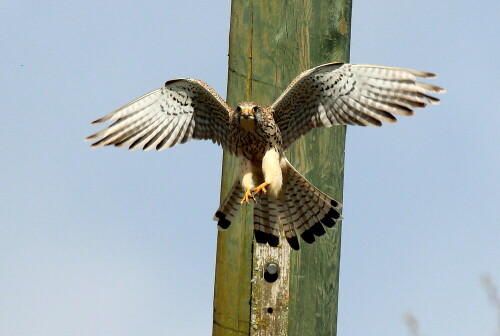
x: 261, y: 188
x: 247, y: 197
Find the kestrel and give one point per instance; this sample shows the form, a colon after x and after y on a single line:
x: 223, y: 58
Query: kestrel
x: 327, y: 95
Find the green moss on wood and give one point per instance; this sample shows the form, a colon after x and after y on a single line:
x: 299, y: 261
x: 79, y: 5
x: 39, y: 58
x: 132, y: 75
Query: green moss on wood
x: 270, y: 43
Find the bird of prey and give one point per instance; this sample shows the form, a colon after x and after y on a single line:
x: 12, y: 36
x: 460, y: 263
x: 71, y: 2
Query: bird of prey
x: 324, y: 96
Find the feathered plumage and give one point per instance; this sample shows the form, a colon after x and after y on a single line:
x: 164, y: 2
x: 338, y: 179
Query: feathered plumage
x: 327, y: 95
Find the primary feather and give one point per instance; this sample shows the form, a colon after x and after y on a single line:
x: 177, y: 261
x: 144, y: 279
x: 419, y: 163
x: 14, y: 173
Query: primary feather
x: 324, y: 96
x: 349, y: 94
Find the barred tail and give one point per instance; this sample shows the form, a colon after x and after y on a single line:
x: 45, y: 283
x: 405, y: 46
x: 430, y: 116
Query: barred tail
x: 302, y: 210
x: 266, y: 215
x: 309, y: 209
x: 229, y: 207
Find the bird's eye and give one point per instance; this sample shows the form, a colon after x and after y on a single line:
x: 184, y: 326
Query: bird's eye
x: 238, y: 108
x: 255, y: 108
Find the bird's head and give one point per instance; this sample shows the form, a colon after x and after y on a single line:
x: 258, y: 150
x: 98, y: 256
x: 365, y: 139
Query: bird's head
x: 248, y: 114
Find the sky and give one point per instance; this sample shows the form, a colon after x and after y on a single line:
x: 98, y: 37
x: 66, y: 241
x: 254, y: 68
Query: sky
x: 111, y: 242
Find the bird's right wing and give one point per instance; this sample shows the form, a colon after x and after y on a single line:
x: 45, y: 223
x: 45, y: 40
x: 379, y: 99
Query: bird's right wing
x: 182, y: 110
x: 349, y: 94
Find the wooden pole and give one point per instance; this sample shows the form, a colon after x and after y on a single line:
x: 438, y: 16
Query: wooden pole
x: 270, y: 43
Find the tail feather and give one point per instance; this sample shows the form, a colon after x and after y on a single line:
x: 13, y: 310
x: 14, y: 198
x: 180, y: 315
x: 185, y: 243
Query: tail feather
x: 284, y: 218
x: 265, y: 221
x: 229, y: 207
x: 307, y: 215
x: 309, y: 208
x: 301, y: 209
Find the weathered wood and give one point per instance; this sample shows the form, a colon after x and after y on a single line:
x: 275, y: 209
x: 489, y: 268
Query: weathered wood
x: 269, y: 304
x: 320, y: 157
x: 270, y: 43
x: 233, y: 271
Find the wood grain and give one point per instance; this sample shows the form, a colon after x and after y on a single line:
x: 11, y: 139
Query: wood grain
x: 270, y: 43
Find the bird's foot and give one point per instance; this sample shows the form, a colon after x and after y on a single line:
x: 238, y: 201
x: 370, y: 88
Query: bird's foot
x: 246, y: 198
x: 260, y: 188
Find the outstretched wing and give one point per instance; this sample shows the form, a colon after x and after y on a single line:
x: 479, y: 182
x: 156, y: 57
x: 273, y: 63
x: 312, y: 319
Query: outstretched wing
x: 349, y: 94
x: 182, y: 110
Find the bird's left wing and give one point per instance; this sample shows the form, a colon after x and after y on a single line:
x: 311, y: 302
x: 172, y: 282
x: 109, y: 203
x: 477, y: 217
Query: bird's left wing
x: 182, y: 110
x: 349, y: 94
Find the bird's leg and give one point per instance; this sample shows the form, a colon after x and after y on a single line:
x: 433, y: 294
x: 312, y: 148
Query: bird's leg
x: 247, y: 180
x: 247, y: 197
x: 273, y: 176
x: 261, y: 188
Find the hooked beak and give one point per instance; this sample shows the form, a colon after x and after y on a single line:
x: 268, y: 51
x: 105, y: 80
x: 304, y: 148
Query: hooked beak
x: 245, y: 115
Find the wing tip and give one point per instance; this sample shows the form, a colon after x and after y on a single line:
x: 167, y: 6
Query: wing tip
x: 97, y: 121
x: 131, y: 148
x: 438, y: 89
x: 175, y: 80
x: 425, y: 74
x: 94, y: 137
x: 392, y: 119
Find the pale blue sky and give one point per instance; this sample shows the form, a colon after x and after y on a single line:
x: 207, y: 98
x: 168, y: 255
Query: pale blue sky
x: 111, y: 242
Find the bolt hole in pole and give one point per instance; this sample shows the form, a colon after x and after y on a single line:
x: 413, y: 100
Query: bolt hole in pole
x: 271, y: 273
